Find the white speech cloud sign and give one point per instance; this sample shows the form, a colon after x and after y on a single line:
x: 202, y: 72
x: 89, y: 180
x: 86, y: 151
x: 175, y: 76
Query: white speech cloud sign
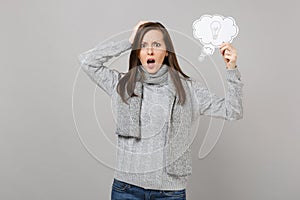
x: 212, y: 31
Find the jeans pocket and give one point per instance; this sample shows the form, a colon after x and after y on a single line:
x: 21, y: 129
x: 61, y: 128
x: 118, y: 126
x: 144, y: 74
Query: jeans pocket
x: 175, y: 193
x: 120, y: 186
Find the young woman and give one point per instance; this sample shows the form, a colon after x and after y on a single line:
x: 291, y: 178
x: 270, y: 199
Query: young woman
x: 156, y: 105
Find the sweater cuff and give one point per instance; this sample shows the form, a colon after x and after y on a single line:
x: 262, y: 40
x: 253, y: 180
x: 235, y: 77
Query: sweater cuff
x: 233, y: 74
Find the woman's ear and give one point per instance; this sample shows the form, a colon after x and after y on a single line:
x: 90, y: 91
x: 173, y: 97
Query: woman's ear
x: 167, y: 54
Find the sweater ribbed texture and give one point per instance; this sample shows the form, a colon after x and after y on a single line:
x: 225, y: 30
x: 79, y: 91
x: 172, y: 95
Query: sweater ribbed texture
x: 140, y: 162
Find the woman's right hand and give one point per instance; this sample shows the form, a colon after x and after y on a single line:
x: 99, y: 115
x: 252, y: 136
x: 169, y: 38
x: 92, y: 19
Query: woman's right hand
x: 135, y: 30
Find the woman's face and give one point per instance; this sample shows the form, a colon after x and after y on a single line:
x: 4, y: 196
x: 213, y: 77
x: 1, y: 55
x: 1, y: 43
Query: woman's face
x: 153, y: 51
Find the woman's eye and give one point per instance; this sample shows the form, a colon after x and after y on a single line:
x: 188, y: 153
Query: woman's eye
x: 143, y: 45
x: 157, y: 44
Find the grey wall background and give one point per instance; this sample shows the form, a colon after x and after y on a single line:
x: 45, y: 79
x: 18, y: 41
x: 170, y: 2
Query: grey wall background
x: 41, y: 154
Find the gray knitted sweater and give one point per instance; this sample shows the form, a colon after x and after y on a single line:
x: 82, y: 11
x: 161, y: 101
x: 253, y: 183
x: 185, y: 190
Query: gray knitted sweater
x: 141, y: 162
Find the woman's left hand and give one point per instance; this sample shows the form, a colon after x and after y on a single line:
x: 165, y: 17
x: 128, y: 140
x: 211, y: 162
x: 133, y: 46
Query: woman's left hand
x: 229, y: 54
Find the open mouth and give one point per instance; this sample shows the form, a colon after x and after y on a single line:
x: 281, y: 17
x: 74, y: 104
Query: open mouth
x: 150, y: 61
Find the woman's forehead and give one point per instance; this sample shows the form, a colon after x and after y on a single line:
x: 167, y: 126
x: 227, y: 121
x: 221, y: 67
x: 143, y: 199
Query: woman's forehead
x: 153, y: 35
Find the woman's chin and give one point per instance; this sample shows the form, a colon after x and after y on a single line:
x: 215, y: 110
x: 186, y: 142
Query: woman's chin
x: 152, y: 68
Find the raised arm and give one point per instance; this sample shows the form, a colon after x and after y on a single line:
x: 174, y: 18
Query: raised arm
x: 229, y: 107
x: 92, y: 62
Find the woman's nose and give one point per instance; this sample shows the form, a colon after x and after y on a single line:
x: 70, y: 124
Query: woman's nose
x: 150, y: 51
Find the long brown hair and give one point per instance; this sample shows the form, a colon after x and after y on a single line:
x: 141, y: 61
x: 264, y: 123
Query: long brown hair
x: 129, y: 79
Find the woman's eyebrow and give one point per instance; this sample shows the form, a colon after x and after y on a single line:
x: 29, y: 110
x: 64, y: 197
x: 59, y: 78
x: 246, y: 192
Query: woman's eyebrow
x: 152, y: 41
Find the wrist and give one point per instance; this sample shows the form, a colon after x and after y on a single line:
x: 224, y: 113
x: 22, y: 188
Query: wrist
x: 231, y: 67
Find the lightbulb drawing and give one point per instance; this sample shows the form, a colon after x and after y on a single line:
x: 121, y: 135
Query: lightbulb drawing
x: 215, y: 27
x: 212, y: 31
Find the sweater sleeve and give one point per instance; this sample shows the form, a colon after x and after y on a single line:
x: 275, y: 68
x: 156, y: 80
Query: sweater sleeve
x: 92, y: 63
x: 230, y: 107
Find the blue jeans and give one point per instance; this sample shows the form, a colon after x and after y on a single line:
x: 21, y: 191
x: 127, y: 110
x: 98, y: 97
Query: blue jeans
x: 123, y: 191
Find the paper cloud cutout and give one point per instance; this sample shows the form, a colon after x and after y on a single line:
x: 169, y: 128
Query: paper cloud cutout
x: 212, y: 31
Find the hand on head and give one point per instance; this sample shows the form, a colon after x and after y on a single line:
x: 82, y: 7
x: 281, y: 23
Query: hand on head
x: 135, y: 30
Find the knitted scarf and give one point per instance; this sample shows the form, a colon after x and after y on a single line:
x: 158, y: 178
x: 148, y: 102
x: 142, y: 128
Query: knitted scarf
x: 177, y: 149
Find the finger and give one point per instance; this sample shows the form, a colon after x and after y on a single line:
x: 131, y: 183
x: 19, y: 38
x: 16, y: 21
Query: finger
x: 224, y: 44
x: 226, y: 59
x: 227, y: 44
x: 141, y: 22
x: 230, y: 58
x: 224, y: 49
x: 228, y: 49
